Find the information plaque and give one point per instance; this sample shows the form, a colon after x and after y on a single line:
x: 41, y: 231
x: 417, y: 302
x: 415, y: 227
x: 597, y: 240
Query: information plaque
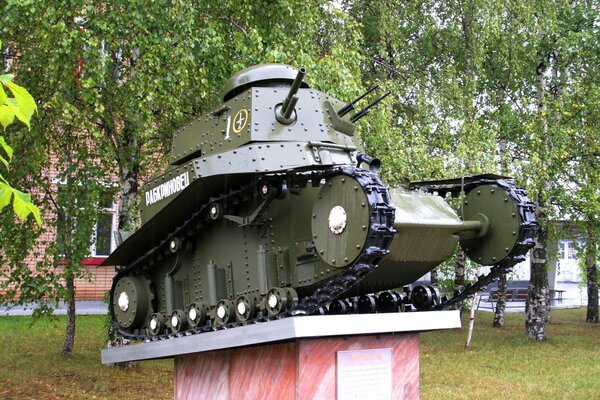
x: 364, y: 374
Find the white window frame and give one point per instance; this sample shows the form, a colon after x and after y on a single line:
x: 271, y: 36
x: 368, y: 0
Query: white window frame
x: 112, y: 209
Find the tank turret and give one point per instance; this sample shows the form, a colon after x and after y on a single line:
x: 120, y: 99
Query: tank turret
x: 270, y: 207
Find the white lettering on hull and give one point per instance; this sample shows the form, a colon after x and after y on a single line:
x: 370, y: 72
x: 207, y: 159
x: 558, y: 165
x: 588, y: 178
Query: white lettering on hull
x: 167, y: 189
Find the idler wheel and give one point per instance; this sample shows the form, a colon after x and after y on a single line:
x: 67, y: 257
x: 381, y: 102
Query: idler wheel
x: 341, y: 221
x: 130, y: 301
x: 497, y: 210
x: 245, y: 308
x: 224, y: 312
x: 367, y: 304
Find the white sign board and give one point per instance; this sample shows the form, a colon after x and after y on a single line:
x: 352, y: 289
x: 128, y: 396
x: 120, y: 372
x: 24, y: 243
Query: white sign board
x: 364, y: 374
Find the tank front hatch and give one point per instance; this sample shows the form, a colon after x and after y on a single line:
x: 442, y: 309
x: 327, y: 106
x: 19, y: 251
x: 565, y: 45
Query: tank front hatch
x: 264, y: 75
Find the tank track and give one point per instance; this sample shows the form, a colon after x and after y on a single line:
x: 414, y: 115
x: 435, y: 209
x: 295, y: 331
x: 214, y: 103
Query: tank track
x: 525, y: 241
x: 379, y: 238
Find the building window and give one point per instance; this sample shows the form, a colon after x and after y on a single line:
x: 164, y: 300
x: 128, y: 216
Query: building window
x: 567, y: 250
x: 103, y: 231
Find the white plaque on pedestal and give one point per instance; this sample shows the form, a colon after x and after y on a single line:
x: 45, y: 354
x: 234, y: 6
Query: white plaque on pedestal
x: 364, y: 374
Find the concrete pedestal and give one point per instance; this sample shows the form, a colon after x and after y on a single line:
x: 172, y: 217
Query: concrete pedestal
x: 303, y: 369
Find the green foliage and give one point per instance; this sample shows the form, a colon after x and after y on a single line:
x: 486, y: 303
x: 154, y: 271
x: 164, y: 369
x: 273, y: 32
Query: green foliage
x: 488, y: 87
x: 22, y: 106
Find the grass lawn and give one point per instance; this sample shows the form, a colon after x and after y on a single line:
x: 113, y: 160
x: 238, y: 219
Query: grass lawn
x: 502, y: 363
x: 31, y: 366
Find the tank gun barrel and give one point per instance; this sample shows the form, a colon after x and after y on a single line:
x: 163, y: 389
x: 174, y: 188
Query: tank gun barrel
x: 350, y: 106
x: 284, y: 114
x: 365, y: 110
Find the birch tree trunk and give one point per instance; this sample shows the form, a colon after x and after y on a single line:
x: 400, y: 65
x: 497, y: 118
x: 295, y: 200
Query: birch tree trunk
x: 70, y: 332
x: 459, y: 275
x: 129, y: 172
x: 502, y: 282
x: 434, y: 276
x: 501, y: 303
x: 537, y: 311
x: 472, y: 320
x: 592, y: 276
x: 536, y: 308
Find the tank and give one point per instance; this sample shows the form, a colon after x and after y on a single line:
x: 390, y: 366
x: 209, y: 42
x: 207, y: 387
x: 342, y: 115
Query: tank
x: 270, y: 208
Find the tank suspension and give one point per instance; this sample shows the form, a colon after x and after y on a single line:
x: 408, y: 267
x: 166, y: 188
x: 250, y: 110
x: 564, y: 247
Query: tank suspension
x: 175, y: 247
x: 285, y: 112
x: 281, y: 302
x: 267, y: 193
x: 212, y: 282
x: 262, y: 270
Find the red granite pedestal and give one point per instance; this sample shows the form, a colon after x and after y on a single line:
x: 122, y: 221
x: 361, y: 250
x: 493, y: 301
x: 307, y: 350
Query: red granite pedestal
x: 302, y: 369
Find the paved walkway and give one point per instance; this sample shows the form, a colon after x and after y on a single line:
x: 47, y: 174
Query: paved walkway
x: 81, y: 308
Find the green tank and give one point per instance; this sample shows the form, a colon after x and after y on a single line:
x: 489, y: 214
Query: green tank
x: 270, y: 208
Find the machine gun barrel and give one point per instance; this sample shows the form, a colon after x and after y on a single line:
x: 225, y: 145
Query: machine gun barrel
x: 365, y: 110
x: 350, y: 106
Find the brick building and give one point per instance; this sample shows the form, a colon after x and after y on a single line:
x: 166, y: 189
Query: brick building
x: 103, y: 240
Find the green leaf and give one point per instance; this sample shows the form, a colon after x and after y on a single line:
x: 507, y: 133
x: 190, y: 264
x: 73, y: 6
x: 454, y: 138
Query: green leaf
x: 35, y: 211
x: 7, y: 116
x: 20, y: 201
x: 6, y: 147
x: 14, y: 108
x: 6, y: 78
x: 5, y: 195
x: 4, y: 161
x: 3, y: 96
x: 25, y: 102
